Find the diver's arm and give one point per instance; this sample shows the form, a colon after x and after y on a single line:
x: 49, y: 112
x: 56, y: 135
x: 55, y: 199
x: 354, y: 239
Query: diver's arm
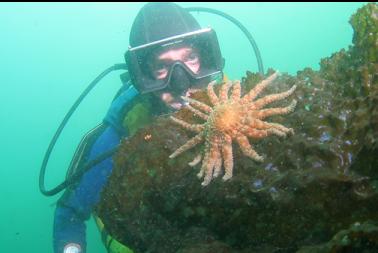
x: 69, y: 229
x: 75, y: 206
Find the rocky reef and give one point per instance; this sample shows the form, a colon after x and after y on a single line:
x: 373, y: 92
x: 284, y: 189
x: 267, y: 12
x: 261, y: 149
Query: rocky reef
x: 316, y: 191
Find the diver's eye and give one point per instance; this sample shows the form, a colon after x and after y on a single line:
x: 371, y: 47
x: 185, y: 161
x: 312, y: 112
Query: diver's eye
x: 161, y: 72
x: 192, y: 61
x: 192, y: 57
x: 160, y: 66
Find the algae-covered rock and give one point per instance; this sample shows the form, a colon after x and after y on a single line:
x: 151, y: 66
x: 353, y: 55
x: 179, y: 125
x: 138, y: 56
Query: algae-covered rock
x: 316, y: 191
x: 357, y: 238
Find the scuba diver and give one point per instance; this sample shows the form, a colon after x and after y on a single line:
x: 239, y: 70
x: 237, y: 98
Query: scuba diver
x: 169, y: 56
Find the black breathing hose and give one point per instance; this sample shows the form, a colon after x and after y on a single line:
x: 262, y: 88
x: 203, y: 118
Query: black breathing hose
x: 241, y: 27
x: 64, y: 184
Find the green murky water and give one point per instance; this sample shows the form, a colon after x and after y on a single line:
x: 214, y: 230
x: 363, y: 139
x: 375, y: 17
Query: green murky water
x: 49, y: 52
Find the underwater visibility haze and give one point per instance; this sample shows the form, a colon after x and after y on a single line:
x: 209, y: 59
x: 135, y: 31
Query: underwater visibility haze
x: 50, y: 52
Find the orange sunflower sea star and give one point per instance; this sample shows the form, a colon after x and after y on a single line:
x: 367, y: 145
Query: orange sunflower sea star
x: 231, y: 118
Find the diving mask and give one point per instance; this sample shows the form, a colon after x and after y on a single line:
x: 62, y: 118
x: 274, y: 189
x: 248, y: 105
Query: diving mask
x: 145, y: 75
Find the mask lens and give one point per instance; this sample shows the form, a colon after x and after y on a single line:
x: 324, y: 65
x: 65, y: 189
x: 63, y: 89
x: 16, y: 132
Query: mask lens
x: 161, y: 65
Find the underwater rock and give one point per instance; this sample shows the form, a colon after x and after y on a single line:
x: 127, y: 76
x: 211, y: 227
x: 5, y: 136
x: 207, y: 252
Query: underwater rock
x: 357, y: 238
x: 316, y: 191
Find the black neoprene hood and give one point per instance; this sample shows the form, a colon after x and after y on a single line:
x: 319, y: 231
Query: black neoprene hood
x: 156, y: 21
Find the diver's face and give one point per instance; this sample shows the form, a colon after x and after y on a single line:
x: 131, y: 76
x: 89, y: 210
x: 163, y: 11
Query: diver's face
x: 161, y: 68
x: 186, y: 55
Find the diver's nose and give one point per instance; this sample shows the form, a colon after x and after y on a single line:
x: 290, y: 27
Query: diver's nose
x: 180, y: 81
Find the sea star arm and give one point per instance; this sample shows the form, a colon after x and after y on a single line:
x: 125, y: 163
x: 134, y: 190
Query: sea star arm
x: 188, y: 145
x: 198, y: 104
x: 260, y: 103
x: 276, y: 111
x: 218, y: 161
x: 253, y: 93
x: 228, y: 160
x: 197, y: 112
x: 210, y: 164
x: 235, y: 92
x: 196, y: 160
x: 274, y: 128
x: 247, y: 148
x: 223, y: 93
x: 204, y: 160
x: 192, y: 127
x: 211, y: 94
x: 260, y: 133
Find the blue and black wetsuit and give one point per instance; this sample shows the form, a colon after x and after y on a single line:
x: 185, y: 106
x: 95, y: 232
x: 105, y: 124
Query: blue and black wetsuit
x: 76, y: 205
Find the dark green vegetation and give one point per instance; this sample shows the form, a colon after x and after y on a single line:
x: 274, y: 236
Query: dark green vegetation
x: 316, y: 191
